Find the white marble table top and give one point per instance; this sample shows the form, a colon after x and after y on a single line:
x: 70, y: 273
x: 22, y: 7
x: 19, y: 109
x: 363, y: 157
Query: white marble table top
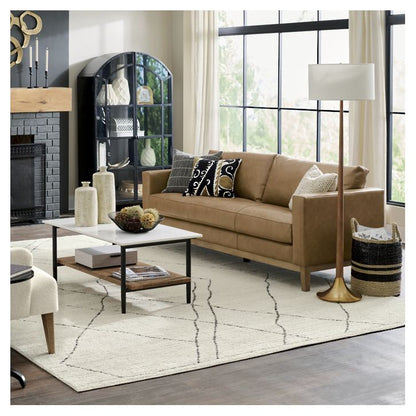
x: 112, y: 234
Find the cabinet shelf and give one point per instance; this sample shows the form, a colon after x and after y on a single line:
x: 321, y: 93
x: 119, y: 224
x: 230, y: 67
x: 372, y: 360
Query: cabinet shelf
x: 109, y: 133
x: 152, y: 136
x: 134, y: 106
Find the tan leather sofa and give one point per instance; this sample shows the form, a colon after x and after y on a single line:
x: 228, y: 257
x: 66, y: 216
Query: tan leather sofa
x: 258, y: 225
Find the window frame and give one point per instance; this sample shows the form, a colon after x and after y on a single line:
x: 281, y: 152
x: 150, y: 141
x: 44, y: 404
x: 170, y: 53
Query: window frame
x: 391, y: 20
x: 281, y: 28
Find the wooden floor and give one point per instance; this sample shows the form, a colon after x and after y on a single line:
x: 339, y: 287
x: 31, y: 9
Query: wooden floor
x: 366, y: 370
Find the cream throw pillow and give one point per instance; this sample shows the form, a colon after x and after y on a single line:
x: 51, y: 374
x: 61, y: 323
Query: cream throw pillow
x: 314, y: 181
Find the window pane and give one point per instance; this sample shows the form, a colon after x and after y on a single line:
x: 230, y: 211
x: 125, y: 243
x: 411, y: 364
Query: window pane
x: 398, y: 68
x: 231, y: 70
x: 330, y: 137
x: 334, y: 50
x: 334, y: 14
x: 261, y: 76
x: 229, y: 18
x: 263, y: 17
x: 289, y: 16
x: 231, y: 129
x: 261, y: 130
x: 299, y: 134
x: 398, y: 168
x: 298, y: 50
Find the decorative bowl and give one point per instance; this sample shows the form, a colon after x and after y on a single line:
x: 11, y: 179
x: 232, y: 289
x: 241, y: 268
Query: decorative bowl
x: 132, y: 225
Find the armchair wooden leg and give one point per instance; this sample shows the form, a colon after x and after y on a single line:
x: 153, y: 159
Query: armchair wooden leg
x: 48, y: 327
x: 305, y: 279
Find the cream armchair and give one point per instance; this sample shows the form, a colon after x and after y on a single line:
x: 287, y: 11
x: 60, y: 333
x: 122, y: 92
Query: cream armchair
x: 36, y: 296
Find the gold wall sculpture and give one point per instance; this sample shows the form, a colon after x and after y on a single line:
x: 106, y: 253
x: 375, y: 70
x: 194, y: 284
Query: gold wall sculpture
x: 26, y: 33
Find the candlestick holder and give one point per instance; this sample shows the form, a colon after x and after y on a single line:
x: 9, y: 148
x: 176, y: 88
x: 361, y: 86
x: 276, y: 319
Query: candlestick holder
x: 36, y: 74
x: 30, y: 77
x: 46, y: 79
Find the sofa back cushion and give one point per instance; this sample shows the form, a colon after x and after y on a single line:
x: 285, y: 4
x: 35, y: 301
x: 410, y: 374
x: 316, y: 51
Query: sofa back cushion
x: 252, y: 174
x: 287, y: 172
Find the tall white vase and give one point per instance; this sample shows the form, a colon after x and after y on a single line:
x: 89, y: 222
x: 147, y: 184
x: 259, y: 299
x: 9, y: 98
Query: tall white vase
x: 103, y: 182
x: 147, y: 157
x: 121, y: 86
x: 86, y: 206
x: 111, y: 96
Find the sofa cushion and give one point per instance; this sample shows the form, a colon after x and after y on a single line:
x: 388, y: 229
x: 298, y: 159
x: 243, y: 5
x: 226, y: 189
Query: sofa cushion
x: 286, y: 173
x: 213, y: 178
x: 182, y: 165
x: 217, y: 212
x: 265, y: 248
x: 314, y: 181
x: 266, y: 221
x: 252, y: 174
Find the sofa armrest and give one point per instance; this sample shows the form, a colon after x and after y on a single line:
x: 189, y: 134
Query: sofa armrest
x: 314, y: 222
x: 154, y: 182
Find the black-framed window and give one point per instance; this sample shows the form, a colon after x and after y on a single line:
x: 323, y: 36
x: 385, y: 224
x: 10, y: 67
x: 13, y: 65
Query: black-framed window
x: 264, y: 106
x: 395, y: 106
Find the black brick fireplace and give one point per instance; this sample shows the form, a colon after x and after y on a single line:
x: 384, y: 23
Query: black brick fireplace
x: 35, y: 166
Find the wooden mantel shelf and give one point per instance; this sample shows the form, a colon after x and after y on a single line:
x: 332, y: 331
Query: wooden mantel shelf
x: 40, y: 100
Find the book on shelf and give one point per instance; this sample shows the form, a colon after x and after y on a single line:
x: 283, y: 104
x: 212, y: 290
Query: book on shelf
x: 135, y: 273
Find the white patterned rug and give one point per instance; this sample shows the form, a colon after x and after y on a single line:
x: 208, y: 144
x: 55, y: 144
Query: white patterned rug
x: 238, y: 311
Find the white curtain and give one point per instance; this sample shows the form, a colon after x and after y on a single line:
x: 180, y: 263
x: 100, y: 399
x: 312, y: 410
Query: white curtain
x: 367, y: 123
x: 201, y: 103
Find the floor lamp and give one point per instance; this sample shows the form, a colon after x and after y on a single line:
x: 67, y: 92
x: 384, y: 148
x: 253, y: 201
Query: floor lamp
x: 340, y: 82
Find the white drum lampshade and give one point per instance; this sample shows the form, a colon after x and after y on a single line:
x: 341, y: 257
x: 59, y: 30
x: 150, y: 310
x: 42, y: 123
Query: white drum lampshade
x: 341, y: 82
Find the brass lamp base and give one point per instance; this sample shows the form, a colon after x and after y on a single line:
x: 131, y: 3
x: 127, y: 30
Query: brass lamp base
x: 338, y: 292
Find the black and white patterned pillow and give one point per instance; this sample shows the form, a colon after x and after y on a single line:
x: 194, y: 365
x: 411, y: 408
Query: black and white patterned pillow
x: 213, y: 178
x: 182, y: 165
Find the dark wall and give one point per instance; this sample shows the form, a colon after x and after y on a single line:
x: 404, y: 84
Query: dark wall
x: 55, y: 36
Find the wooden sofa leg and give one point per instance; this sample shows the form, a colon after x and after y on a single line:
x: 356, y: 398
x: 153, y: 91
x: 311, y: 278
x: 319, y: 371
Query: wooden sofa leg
x: 305, y: 279
x: 48, y: 327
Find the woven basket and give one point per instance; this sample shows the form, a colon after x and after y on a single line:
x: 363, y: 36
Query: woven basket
x: 376, y: 265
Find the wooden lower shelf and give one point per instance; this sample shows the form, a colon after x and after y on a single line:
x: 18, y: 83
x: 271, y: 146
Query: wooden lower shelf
x: 172, y: 280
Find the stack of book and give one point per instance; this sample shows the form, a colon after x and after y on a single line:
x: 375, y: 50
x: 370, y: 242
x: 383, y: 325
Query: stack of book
x: 135, y: 273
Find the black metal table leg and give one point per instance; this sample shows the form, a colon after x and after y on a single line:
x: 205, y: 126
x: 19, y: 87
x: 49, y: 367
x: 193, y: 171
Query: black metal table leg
x: 188, y: 270
x: 54, y: 253
x: 123, y: 279
x: 19, y: 377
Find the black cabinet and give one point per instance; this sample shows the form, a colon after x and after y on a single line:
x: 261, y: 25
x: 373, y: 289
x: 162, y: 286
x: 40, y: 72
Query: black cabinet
x: 124, y: 120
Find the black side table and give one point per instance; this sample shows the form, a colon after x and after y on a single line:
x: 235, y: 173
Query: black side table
x: 22, y: 275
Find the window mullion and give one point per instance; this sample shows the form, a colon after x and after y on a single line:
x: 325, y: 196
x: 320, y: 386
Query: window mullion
x: 389, y: 130
x: 279, y: 90
x: 244, y: 85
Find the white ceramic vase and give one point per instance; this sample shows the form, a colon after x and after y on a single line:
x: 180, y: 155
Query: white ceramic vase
x: 111, y: 96
x: 147, y: 157
x: 86, y: 206
x: 121, y: 86
x: 103, y: 182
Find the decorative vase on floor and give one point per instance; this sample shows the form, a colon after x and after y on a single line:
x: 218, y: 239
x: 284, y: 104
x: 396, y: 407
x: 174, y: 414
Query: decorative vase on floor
x: 86, y: 206
x: 121, y: 86
x: 111, y: 96
x: 147, y: 157
x: 103, y: 182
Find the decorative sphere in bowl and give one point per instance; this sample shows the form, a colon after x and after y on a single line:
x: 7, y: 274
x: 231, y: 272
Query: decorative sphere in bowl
x: 133, y: 224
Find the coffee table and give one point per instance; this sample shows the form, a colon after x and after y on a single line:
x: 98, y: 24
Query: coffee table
x: 110, y: 233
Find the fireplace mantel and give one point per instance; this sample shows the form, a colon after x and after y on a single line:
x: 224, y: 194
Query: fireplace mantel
x: 40, y: 100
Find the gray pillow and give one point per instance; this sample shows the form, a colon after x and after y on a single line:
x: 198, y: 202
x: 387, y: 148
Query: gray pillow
x: 182, y: 166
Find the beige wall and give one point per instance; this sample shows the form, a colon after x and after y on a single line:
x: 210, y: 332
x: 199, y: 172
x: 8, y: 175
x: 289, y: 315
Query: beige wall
x: 94, y: 33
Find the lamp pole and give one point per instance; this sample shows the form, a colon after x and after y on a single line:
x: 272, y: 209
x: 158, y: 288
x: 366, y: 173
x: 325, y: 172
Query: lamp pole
x: 339, y: 292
